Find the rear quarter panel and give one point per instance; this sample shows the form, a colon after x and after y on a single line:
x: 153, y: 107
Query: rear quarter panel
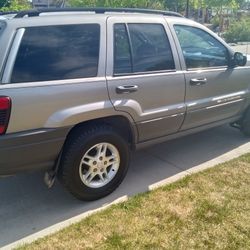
x: 60, y: 103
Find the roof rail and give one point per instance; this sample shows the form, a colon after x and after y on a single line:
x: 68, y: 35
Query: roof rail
x: 37, y: 12
x: 2, y: 13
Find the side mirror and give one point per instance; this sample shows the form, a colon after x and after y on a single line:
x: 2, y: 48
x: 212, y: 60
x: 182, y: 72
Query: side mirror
x: 239, y: 59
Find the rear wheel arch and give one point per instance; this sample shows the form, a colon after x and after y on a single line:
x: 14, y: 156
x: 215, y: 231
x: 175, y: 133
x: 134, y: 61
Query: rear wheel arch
x: 119, y: 123
x: 74, y: 169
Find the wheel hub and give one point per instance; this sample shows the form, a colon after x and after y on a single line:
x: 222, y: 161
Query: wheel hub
x: 99, y: 165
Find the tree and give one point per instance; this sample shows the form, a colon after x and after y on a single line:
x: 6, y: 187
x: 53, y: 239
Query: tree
x: 4, y: 3
x: 155, y: 4
x: 175, y: 5
x: 15, y: 5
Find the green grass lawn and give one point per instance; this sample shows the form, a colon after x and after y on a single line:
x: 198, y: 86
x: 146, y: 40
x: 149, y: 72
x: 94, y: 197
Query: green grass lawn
x: 208, y: 210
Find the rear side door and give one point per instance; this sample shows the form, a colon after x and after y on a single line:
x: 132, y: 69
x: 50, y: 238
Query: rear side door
x: 215, y: 91
x: 143, y: 74
x: 55, y: 74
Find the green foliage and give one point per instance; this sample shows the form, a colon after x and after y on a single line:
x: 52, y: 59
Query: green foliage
x: 239, y: 31
x: 217, y: 4
x: 16, y: 5
x: 4, y: 3
x: 215, y: 21
x: 118, y: 3
x: 173, y: 5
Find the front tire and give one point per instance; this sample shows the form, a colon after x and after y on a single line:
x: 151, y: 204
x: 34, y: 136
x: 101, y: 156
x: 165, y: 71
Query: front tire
x: 94, y: 162
x: 245, y: 123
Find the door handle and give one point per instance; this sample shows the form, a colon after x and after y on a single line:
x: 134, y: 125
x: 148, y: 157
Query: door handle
x: 198, y: 82
x: 126, y: 89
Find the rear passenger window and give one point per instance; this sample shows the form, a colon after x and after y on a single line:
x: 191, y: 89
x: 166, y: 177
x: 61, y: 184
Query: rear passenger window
x: 147, y: 50
x: 151, y: 48
x: 122, y: 55
x: 57, y: 53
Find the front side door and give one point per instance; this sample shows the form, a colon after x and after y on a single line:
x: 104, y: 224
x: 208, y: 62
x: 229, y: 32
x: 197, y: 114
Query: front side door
x: 143, y: 75
x: 214, y: 91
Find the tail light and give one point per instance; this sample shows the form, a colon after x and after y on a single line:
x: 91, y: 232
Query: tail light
x: 5, y: 107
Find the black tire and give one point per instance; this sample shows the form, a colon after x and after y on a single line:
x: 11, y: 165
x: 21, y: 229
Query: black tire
x: 245, y: 123
x: 75, y: 148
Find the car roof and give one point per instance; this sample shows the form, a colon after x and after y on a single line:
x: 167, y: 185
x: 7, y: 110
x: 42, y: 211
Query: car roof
x: 73, y: 18
x: 75, y: 15
x: 96, y: 10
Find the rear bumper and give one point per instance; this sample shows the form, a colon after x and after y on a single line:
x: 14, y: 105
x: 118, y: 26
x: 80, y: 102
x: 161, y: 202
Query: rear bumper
x: 30, y: 150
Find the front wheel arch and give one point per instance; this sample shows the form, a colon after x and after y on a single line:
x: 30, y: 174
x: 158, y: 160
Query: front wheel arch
x: 245, y: 122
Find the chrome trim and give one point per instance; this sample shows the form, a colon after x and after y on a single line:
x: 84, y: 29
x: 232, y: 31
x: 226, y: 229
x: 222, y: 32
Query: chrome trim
x: 152, y: 120
x: 213, y: 69
x: 161, y: 118
x: 170, y: 108
x: 223, y: 104
x: 162, y: 139
x: 143, y: 73
x: 138, y: 75
x: 232, y: 95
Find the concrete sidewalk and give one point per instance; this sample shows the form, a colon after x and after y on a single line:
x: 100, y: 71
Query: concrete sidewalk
x: 27, y: 206
x: 245, y: 49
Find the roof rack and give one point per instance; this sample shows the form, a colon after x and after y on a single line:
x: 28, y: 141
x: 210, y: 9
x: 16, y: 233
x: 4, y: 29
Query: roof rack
x: 37, y: 12
x: 2, y: 13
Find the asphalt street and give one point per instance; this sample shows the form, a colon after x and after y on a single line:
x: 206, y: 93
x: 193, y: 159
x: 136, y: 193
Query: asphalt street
x: 27, y: 206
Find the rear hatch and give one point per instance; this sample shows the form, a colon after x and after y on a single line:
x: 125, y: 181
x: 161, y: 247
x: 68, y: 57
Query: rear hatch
x: 5, y: 101
x: 3, y: 43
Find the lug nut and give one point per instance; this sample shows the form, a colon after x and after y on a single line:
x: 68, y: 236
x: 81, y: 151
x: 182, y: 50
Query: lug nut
x: 100, y: 158
x: 94, y: 162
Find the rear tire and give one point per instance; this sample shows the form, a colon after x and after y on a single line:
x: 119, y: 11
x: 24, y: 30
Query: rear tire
x: 94, y: 162
x: 245, y: 123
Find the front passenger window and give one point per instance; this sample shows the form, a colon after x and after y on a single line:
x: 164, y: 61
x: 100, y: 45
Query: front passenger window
x: 151, y: 48
x: 200, y: 49
x: 141, y: 48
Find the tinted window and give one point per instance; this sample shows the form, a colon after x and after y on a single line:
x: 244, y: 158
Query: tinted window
x: 57, y: 52
x: 2, y: 25
x: 148, y: 47
x: 200, y: 49
x: 122, y: 55
x: 151, y: 48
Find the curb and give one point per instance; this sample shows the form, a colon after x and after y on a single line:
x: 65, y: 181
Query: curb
x: 57, y: 227
x: 243, y: 149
